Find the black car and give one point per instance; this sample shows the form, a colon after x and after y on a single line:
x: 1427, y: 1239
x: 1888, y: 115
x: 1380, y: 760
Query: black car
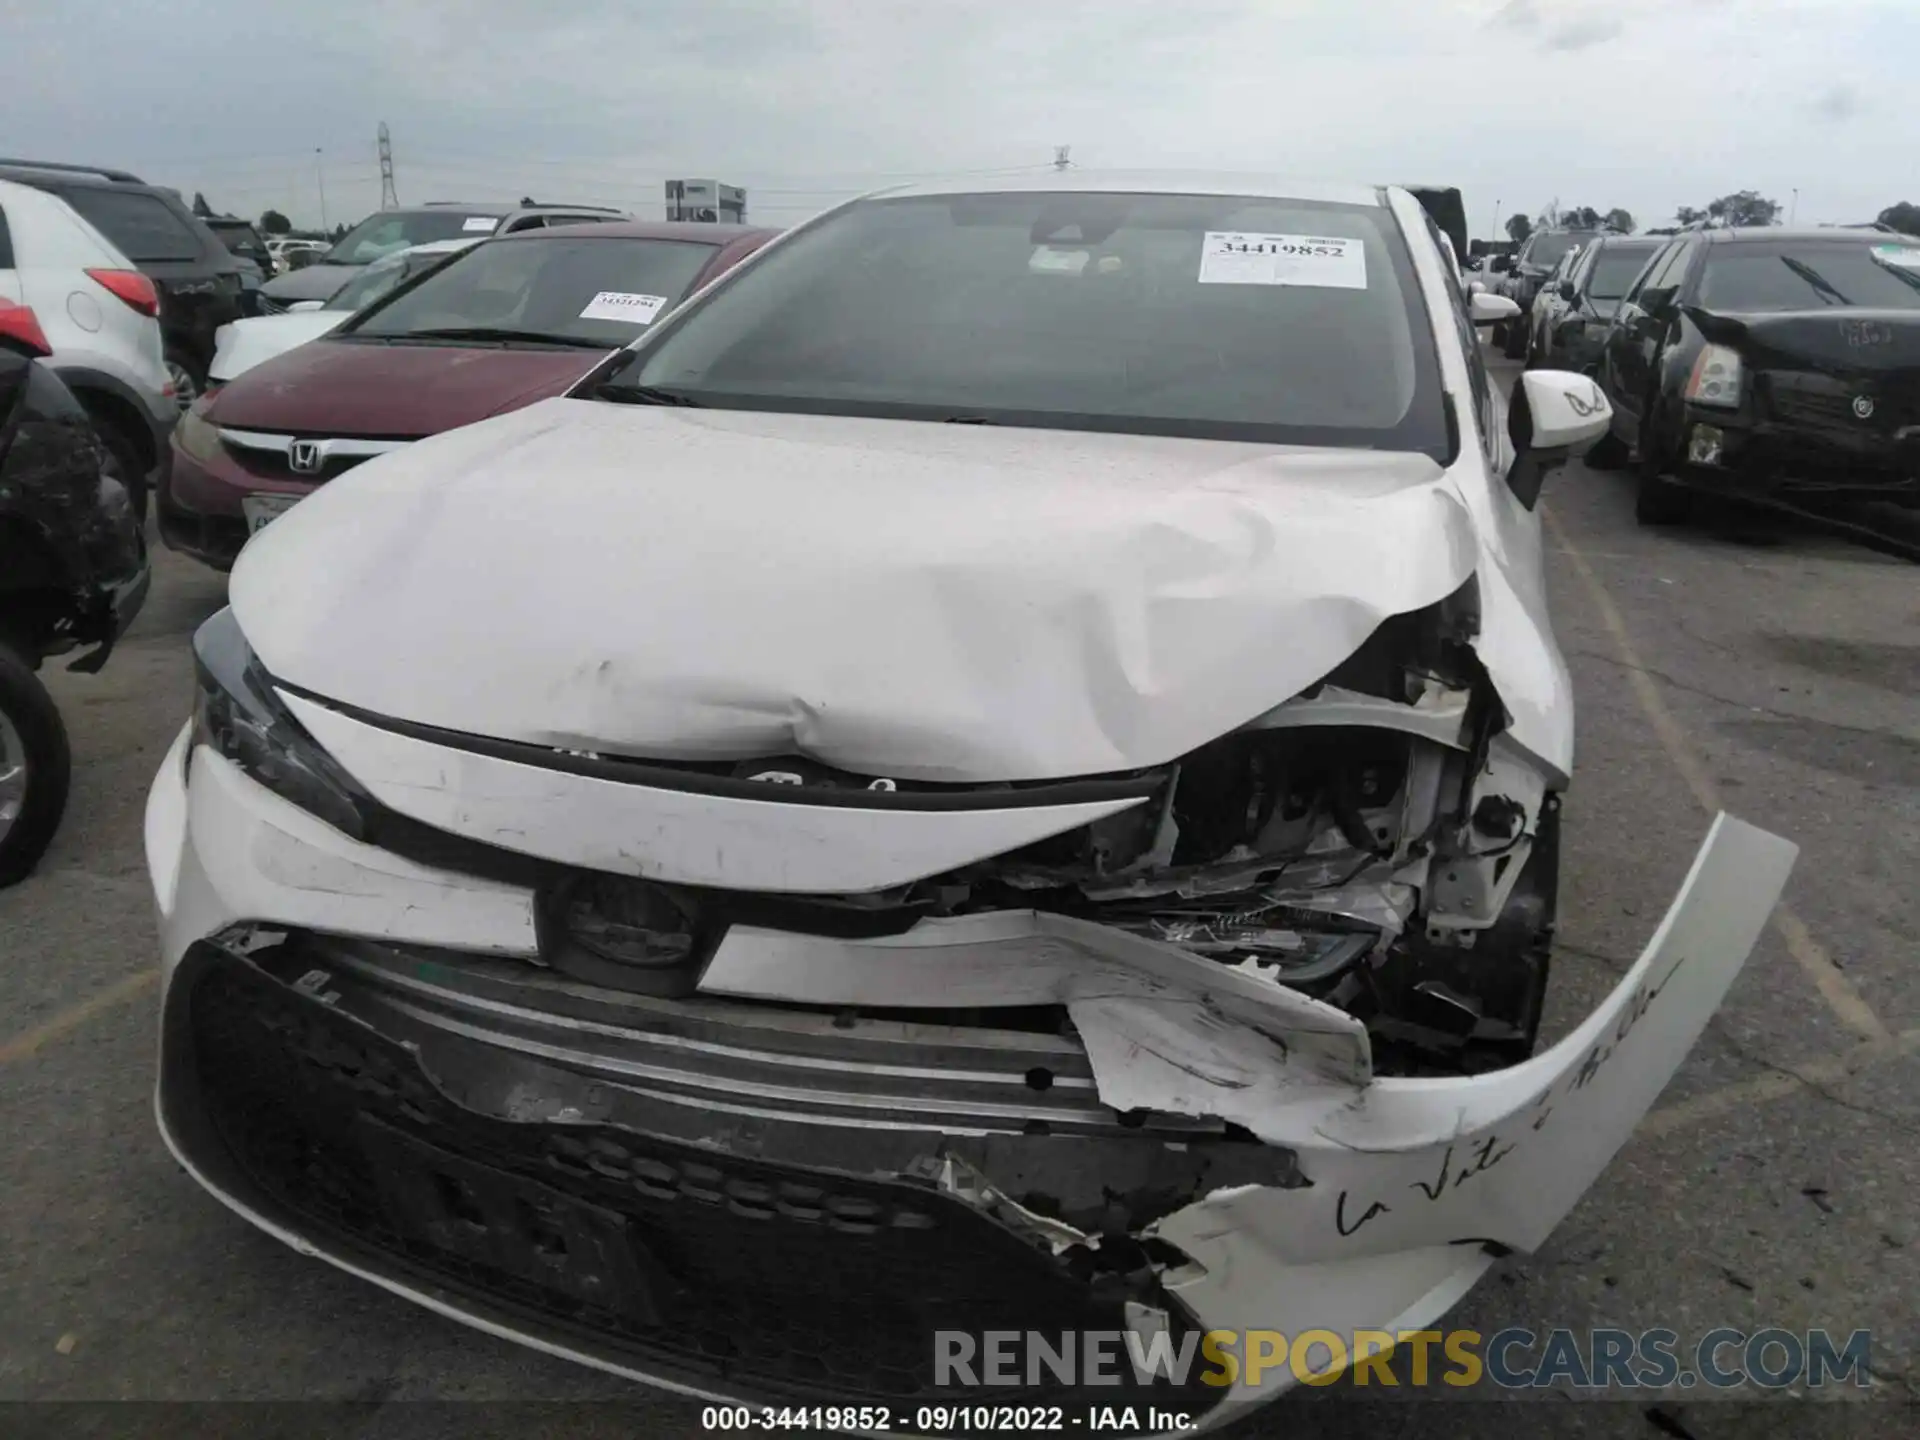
x: 199, y: 279
x: 1768, y: 364
x: 73, y: 574
x: 249, y: 247
x: 1571, y: 316
x: 1522, y: 276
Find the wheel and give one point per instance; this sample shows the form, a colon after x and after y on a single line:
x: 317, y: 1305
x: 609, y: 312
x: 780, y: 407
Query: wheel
x: 1515, y: 344
x: 1536, y: 352
x: 1608, y: 453
x: 186, y: 378
x: 36, y: 768
x: 1658, y: 501
x: 123, y: 464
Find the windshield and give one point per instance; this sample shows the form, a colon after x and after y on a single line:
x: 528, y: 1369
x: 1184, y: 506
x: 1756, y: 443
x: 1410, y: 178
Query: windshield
x: 1544, y: 251
x: 384, y: 275
x: 597, y: 293
x: 1763, y: 276
x: 1234, y: 317
x: 1615, y: 266
x: 392, y: 230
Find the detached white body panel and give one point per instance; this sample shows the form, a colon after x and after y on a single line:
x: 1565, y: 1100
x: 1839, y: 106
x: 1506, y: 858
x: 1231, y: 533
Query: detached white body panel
x: 240, y: 345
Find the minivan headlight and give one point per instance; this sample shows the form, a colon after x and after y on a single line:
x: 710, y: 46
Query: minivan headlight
x: 237, y: 715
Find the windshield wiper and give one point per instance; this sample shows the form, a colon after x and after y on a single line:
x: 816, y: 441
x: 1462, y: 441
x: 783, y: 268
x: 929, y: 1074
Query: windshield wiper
x: 1819, y: 282
x: 644, y: 395
x: 503, y: 336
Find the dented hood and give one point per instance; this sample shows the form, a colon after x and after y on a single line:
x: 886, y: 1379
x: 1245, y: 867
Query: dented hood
x: 936, y: 602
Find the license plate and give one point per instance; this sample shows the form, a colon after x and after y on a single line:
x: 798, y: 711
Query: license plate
x: 509, y: 1224
x: 262, y: 510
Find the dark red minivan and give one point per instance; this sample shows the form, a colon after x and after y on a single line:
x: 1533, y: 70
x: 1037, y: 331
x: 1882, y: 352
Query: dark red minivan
x: 509, y: 322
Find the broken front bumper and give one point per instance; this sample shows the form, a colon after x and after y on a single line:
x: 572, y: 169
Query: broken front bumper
x: 757, y: 1200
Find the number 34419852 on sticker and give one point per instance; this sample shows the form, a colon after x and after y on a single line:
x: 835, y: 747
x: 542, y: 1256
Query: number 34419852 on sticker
x: 1233, y: 257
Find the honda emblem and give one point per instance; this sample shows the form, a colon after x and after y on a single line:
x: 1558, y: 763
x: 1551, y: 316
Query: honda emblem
x: 304, y: 457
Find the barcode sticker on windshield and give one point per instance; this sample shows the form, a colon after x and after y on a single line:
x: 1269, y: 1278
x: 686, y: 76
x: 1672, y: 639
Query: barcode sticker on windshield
x: 480, y: 222
x: 1907, y: 257
x: 1230, y: 257
x: 618, y: 305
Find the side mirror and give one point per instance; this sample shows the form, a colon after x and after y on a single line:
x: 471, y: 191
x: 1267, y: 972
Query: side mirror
x: 1500, y: 264
x: 1476, y: 287
x: 1657, y: 300
x: 1550, y: 413
x: 303, y: 305
x: 1488, y: 309
x: 1567, y: 291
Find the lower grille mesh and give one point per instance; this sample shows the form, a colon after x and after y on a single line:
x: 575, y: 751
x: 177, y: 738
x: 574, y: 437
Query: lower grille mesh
x: 809, y: 1284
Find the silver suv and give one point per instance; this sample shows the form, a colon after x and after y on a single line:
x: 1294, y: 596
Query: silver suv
x: 387, y: 231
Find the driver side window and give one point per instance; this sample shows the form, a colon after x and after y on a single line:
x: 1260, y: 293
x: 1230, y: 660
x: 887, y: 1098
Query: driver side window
x: 1653, y: 267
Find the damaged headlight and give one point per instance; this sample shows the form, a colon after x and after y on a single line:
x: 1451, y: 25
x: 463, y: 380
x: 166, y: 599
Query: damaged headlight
x: 237, y: 715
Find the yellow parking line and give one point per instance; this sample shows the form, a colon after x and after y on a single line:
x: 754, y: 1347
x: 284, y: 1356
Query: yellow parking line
x: 21, y: 1046
x: 1778, y: 1084
x: 1846, y: 1002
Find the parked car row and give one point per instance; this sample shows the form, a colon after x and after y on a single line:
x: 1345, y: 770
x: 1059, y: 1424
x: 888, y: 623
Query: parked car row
x: 412, y: 342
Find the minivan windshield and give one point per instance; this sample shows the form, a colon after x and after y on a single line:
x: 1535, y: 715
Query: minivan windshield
x: 391, y: 230
x: 552, y: 287
x: 1758, y: 276
x: 1544, y: 251
x: 1222, y: 316
x: 1616, y: 265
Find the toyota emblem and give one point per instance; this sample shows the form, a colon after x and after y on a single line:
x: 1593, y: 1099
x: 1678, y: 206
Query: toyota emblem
x: 304, y: 457
x: 1863, y: 406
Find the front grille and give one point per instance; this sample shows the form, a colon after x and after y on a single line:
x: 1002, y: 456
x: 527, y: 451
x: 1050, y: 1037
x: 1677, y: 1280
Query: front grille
x: 774, y: 1280
x: 273, y: 465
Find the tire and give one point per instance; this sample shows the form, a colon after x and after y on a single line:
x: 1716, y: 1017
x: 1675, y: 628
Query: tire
x: 1658, y: 501
x: 36, y: 769
x: 1515, y: 344
x: 123, y: 464
x: 1608, y: 453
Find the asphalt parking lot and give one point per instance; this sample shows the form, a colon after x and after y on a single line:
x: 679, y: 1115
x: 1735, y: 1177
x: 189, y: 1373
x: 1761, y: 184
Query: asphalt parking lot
x: 1774, y: 1185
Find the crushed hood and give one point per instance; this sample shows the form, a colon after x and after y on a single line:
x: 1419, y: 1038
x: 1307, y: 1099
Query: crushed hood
x: 934, y: 602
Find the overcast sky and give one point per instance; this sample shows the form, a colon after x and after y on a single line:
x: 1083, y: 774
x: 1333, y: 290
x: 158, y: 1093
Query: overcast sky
x: 1646, y: 104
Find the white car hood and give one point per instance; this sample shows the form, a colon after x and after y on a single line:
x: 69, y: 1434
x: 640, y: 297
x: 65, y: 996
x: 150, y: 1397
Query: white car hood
x: 923, y: 601
x: 243, y: 344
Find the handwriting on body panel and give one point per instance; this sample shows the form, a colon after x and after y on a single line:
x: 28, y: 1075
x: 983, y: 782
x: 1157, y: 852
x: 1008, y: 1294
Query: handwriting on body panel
x: 1462, y: 1163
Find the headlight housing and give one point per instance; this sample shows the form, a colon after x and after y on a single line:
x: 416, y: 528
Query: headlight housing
x: 237, y: 715
x: 197, y: 436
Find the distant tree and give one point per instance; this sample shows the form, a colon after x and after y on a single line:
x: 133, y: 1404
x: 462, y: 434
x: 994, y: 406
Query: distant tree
x: 1665, y: 230
x: 1621, y: 220
x: 200, y: 206
x: 1519, y: 227
x: 272, y: 222
x: 1687, y: 215
x: 1904, y: 217
x: 340, y: 232
x: 1744, y: 207
x: 1581, y: 217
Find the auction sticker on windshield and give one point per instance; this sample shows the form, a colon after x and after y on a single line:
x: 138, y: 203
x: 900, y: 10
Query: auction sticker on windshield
x: 1232, y: 257
x: 619, y: 305
x: 480, y: 222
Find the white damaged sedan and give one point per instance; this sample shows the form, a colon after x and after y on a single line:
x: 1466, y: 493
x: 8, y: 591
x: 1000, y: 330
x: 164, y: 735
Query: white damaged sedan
x: 998, y: 771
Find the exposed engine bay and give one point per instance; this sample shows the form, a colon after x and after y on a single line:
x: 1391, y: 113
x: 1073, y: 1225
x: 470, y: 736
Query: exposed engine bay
x: 1371, y: 842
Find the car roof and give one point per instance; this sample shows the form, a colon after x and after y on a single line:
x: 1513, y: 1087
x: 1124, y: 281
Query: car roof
x: 704, y: 233
x: 1741, y: 234
x: 1146, y: 182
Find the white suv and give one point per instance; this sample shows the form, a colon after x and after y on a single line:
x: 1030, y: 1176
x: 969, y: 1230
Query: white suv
x: 100, y: 316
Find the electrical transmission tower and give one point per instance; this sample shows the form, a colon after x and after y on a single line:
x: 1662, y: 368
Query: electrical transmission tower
x: 389, y: 197
x: 1060, y: 154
